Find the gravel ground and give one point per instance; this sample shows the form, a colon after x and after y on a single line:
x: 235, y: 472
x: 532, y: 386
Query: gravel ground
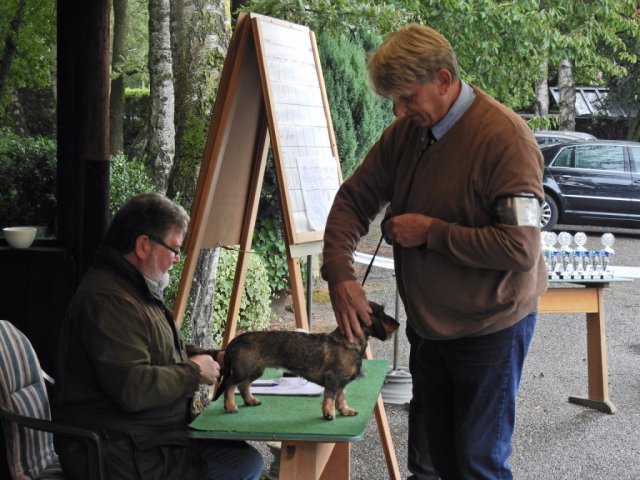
x: 554, y: 439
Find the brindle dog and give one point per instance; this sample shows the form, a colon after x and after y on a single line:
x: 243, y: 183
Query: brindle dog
x: 327, y: 359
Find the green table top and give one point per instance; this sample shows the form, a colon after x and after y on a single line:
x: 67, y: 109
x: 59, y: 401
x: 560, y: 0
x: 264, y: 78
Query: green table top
x: 295, y: 417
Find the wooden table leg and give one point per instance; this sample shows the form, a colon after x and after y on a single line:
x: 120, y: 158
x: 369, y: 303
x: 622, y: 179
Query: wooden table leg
x: 314, y: 461
x: 598, y: 375
x: 385, y: 433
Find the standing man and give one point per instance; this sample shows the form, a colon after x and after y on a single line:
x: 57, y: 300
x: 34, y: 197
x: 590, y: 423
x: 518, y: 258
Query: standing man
x: 462, y: 175
x: 123, y: 369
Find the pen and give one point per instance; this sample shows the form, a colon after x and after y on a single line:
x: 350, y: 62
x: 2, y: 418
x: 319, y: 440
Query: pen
x: 264, y: 383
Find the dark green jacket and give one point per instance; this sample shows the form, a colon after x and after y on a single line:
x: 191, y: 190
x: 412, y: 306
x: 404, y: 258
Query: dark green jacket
x: 124, y: 370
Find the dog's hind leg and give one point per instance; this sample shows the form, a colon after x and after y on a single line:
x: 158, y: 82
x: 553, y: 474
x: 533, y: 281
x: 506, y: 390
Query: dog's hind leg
x: 245, y: 392
x: 342, y: 405
x: 229, y: 402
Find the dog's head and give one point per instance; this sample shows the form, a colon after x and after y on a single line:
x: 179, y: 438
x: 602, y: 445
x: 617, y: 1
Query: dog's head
x: 382, y: 325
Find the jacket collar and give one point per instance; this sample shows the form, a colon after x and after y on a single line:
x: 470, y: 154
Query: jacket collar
x: 109, y: 257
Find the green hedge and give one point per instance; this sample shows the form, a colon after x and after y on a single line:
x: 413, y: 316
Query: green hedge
x: 27, y: 181
x: 255, y: 305
x: 128, y: 177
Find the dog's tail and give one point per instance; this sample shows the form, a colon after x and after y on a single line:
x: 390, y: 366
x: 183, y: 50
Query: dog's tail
x: 225, y: 374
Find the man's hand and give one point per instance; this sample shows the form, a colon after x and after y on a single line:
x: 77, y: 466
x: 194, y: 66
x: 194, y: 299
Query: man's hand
x: 209, y: 369
x: 350, y: 305
x: 409, y: 229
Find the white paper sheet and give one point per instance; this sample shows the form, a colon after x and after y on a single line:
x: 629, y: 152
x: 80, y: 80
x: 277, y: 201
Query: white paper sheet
x: 320, y: 182
x: 286, y: 386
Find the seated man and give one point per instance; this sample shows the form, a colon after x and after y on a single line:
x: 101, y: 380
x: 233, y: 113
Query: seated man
x: 123, y: 369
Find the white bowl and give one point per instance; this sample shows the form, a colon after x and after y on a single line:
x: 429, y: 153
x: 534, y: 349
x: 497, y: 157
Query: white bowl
x: 19, y: 237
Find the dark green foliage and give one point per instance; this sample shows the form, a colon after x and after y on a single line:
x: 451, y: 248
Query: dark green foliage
x: 27, y: 181
x: 184, y: 177
x: 358, y: 115
x: 38, y: 109
x: 268, y: 238
x: 255, y: 304
x: 128, y: 177
x: 136, y: 115
x: 269, y: 244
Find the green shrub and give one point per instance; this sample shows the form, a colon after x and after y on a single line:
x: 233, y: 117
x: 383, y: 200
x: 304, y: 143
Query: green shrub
x: 255, y: 305
x: 542, y: 123
x: 27, y: 181
x: 128, y: 177
x: 268, y: 243
x: 358, y: 114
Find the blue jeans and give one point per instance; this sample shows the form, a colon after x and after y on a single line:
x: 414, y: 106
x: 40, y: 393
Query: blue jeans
x: 231, y: 460
x: 418, y: 457
x: 467, y: 388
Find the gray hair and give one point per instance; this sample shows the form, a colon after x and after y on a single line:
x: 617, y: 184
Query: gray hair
x: 413, y: 53
x: 147, y: 213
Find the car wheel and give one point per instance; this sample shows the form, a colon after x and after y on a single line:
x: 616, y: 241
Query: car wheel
x: 548, y: 213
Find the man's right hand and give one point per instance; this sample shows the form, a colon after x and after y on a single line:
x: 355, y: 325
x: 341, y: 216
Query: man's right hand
x: 209, y: 369
x: 350, y: 305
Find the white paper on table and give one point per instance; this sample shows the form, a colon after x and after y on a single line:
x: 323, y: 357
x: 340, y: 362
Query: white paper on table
x: 286, y: 386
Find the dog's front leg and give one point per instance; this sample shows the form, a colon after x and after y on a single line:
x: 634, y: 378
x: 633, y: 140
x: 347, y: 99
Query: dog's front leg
x: 245, y: 391
x: 342, y: 405
x: 329, y: 405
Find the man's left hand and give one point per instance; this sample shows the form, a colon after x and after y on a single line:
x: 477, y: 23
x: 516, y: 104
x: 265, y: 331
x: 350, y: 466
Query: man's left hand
x: 409, y: 229
x: 209, y: 369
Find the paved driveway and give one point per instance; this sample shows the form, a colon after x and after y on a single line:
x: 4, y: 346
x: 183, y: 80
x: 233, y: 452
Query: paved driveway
x: 554, y: 439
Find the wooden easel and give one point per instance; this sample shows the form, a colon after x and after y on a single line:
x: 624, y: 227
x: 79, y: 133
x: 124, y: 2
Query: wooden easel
x: 271, y: 93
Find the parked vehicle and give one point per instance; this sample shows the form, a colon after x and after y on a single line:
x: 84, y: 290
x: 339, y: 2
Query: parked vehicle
x: 552, y: 136
x: 592, y: 182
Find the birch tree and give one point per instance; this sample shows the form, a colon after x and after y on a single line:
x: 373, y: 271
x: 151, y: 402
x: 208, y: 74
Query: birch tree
x: 201, y: 34
x: 162, y: 128
x: 201, y: 30
x: 567, y: 96
x: 118, y: 57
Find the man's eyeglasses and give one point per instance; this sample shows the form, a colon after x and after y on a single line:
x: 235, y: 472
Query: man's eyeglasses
x: 153, y: 238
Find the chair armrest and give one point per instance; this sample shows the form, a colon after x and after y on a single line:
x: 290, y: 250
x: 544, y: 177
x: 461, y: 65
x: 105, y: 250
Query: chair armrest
x: 89, y: 437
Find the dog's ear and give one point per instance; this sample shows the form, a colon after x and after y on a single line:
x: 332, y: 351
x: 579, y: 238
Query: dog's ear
x: 382, y: 325
x: 376, y: 308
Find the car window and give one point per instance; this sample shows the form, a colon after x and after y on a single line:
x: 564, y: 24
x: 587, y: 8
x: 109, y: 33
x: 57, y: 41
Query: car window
x: 564, y: 158
x: 600, y: 157
x: 543, y: 140
x: 635, y: 156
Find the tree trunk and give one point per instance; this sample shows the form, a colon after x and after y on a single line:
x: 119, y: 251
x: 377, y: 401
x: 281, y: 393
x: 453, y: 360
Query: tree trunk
x: 162, y: 134
x: 201, y: 30
x: 18, y: 118
x: 201, y: 299
x: 119, y: 54
x: 202, y: 296
x: 200, y: 36
x: 542, y: 92
x: 567, y: 118
x: 10, y: 46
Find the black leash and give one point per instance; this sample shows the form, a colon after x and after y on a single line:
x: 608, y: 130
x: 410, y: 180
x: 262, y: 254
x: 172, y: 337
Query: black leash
x: 366, y: 274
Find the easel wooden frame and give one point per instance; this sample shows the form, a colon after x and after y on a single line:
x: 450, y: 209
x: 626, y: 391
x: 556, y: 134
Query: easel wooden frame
x: 225, y: 206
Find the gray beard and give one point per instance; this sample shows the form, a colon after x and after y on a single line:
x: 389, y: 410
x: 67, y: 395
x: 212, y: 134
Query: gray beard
x: 158, y: 286
x: 164, y: 281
